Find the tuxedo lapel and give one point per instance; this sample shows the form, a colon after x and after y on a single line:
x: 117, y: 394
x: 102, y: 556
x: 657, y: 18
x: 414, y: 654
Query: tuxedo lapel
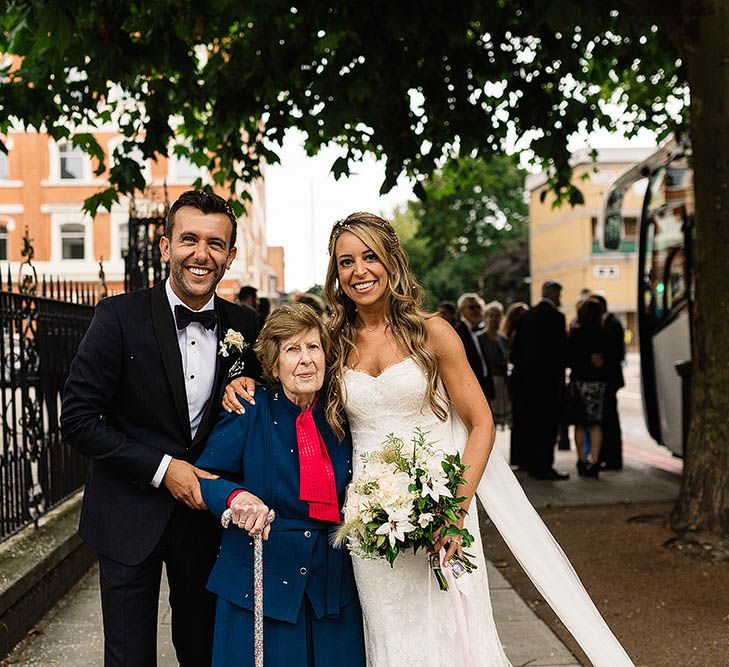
x: 166, y: 334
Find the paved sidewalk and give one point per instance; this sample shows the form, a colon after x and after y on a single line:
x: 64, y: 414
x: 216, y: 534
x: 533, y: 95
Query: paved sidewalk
x: 70, y: 635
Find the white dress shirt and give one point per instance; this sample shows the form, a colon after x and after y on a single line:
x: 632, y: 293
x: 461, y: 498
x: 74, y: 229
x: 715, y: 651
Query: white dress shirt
x: 198, y: 349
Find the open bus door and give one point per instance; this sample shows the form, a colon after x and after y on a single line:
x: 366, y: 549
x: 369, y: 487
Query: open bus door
x: 664, y: 285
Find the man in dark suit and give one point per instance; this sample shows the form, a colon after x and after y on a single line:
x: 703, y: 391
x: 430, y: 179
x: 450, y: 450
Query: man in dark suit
x: 538, y: 354
x: 142, y: 396
x: 471, y: 328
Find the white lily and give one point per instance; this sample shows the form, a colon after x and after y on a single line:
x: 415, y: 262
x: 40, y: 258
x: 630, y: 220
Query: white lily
x: 398, y: 524
x: 435, y: 487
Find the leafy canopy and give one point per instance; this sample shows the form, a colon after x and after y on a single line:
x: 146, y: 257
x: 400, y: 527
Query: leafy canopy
x: 413, y: 82
x: 473, y: 214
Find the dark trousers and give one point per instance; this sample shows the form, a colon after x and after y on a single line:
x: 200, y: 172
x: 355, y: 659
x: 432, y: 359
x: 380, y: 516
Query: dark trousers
x: 539, y: 418
x: 130, y: 595
x: 611, y: 453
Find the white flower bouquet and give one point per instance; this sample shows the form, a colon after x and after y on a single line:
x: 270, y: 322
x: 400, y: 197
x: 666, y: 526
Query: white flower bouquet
x: 404, y: 498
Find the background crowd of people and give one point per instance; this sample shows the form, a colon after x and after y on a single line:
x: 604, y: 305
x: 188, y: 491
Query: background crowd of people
x: 541, y: 376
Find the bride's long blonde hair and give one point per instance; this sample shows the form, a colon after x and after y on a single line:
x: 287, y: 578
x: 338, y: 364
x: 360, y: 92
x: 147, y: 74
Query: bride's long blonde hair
x: 405, y: 315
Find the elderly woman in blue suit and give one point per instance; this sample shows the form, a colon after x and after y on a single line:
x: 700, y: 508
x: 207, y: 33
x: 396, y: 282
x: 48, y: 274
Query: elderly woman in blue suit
x: 281, y: 454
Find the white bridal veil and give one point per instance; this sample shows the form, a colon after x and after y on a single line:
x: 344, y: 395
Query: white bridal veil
x: 542, y: 558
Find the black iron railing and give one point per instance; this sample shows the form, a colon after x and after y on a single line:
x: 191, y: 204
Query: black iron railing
x: 41, y: 326
x: 143, y: 265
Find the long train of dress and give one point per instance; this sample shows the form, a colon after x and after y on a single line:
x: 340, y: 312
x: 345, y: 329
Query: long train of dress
x: 408, y: 620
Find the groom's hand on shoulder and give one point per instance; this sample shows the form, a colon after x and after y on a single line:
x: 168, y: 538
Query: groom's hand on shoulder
x: 181, y: 480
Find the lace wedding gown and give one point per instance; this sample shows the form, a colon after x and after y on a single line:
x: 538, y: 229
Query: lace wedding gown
x: 408, y: 620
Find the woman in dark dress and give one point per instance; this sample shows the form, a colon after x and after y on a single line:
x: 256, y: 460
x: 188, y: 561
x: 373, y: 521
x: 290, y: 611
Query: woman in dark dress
x: 281, y: 454
x: 496, y: 350
x: 588, y: 346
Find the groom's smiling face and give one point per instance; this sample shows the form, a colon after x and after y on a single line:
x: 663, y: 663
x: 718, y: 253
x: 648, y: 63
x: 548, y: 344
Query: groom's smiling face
x: 199, y: 254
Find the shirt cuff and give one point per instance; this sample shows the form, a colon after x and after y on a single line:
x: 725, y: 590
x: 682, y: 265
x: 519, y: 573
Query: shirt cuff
x: 233, y: 495
x: 161, y: 471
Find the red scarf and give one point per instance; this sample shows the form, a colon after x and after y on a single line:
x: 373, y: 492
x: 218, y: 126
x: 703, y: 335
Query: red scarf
x: 316, y: 474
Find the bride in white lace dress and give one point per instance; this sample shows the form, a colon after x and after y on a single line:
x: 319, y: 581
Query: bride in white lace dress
x: 394, y: 369
x: 408, y: 619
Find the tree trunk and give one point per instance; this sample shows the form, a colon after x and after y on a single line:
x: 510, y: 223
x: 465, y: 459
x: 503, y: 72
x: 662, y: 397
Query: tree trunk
x: 704, y: 500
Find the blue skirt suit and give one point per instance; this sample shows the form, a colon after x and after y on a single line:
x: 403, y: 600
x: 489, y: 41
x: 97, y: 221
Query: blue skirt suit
x: 312, y: 615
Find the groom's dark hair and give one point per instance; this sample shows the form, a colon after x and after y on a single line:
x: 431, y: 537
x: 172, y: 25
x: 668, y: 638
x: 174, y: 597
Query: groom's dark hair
x: 207, y: 202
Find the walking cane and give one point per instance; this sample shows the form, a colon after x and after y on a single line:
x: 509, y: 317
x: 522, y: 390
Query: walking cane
x: 257, y: 585
x: 258, y: 594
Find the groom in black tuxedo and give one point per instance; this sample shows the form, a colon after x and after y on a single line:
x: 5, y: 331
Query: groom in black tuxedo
x: 142, y: 396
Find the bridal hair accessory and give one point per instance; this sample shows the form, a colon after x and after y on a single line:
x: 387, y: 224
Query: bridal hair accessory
x: 403, y: 498
x: 233, y: 343
x: 354, y: 219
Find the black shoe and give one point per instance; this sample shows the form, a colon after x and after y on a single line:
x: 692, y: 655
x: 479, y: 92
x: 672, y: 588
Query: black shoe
x: 593, y: 470
x: 551, y: 475
x: 582, y: 469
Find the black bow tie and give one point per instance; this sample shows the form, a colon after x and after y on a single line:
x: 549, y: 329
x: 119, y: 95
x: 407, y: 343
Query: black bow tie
x: 477, y: 328
x: 183, y: 317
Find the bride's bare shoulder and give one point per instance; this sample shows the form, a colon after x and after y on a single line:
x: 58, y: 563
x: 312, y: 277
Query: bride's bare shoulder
x: 442, y: 337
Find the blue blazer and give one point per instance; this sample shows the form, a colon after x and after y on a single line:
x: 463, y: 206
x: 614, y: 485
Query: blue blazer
x: 258, y: 451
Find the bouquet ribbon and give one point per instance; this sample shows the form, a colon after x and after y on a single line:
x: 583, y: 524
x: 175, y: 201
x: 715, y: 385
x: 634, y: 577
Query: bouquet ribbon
x: 316, y: 474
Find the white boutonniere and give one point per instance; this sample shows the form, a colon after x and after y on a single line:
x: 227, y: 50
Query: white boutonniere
x: 233, y: 343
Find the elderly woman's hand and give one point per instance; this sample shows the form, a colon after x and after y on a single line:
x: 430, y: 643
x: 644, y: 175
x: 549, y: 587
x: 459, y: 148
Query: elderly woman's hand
x: 250, y: 513
x: 243, y: 387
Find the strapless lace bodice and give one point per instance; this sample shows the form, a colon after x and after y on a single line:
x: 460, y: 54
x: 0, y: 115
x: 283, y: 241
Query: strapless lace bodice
x: 395, y: 401
x: 409, y: 622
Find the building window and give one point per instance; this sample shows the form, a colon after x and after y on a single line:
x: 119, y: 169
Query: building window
x: 4, y: 174
x: 123, y: 238
x: 73, y: 241
x: 71, y: 162
x: 3, y: 242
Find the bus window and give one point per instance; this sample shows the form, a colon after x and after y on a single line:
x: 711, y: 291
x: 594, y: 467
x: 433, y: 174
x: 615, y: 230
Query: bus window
x: 675, y: 278
x: 666, y: 266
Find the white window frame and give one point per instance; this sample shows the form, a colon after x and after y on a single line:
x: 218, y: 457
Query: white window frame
x: 117, y: 218
x: 7, y: 182
x: 54, y: 169
x: 9, y: 225
x: 78, y: 217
